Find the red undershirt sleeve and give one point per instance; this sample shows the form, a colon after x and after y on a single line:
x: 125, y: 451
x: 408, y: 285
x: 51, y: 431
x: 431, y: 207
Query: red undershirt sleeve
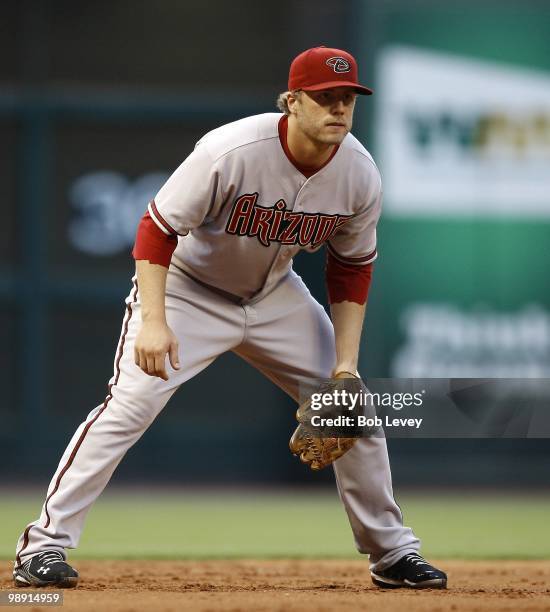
x: 347, y: 282
x: 153, y: 244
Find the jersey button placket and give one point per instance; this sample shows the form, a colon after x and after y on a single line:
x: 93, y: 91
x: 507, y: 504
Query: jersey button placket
x: 298, y: 206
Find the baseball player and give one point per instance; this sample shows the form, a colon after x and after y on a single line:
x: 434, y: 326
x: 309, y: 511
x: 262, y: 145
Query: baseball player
x: 214, y: 273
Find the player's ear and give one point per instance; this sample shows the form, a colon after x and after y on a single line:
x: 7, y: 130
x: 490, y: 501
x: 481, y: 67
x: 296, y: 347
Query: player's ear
x: 293, y: 98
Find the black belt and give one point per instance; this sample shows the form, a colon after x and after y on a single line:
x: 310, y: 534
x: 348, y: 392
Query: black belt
x: 236, y: 299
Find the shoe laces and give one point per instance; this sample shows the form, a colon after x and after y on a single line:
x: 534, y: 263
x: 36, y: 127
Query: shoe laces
x: 416, y: 559
x: 50, y: 558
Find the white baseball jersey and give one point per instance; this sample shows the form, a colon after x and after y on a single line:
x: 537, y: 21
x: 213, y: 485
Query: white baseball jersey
x: 245, y: 210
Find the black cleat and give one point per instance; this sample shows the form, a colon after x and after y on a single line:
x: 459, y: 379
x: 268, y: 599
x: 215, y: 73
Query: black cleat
x: 46, y: 569
x: 411, y: 571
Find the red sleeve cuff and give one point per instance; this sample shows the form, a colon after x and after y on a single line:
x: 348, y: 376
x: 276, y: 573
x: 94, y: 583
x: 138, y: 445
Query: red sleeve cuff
x: 153, y: 244
x: 347, y: 282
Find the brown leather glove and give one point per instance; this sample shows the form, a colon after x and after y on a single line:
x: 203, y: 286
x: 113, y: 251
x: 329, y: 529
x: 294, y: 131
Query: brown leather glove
x: 315, y: 451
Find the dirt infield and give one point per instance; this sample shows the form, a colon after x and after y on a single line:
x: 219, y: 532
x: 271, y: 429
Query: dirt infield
x: 297, y: 586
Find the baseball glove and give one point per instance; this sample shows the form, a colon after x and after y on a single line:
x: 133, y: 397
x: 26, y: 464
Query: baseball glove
x: 317, y: 452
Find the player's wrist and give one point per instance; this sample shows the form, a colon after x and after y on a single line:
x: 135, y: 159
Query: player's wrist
x: 349, y: 367
x: 153, y: 319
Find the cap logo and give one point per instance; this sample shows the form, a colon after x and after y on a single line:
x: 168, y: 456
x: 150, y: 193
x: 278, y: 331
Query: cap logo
x: 338, y: 64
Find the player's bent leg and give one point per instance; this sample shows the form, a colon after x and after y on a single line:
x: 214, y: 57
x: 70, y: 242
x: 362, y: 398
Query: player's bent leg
x: 133, y: 402
x: 363, y: 478
x: 291, y: 340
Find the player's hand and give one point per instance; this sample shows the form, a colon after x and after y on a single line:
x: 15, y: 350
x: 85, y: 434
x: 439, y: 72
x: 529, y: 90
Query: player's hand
x: 153, y: 342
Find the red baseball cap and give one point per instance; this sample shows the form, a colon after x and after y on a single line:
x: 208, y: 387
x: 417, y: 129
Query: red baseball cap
x: 321, y: 68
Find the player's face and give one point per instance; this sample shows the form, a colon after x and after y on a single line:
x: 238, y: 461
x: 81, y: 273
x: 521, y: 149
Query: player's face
x: 325, y: 116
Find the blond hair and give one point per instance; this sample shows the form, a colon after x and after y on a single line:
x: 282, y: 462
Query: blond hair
x: 282, y: 100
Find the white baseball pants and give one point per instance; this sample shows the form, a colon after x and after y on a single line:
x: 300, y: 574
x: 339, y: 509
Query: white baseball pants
x: 288, y: 336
